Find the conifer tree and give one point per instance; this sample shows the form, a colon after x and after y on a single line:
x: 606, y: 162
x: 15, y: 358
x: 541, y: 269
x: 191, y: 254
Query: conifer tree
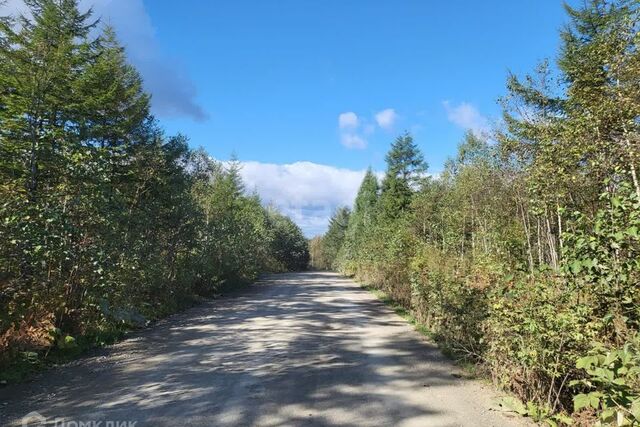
x: 366, y: 199
x: 405, y: 160
x: 334, y: 237
x: 112, y: 105
x: 106, y: 221
x: 405, y: 167
x: 360, y: 220
x: 233, y: 175
x: 581, y: 127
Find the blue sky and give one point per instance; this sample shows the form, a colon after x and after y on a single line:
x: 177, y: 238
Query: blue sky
x: 273, y: 76
x: 310, y: 93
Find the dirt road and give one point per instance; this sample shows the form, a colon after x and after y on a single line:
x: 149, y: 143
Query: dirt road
x: 293, y: 349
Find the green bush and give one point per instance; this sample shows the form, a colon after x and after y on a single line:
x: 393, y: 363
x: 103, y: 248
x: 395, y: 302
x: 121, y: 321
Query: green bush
x: 612, y: 384
x: 446, y: 298
x: 105, y: 222
x: 534, y: 333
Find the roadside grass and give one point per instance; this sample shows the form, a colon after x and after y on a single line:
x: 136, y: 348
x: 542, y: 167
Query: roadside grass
x: 22, y: 366
x: 504, y: 401
x: 469, y: 370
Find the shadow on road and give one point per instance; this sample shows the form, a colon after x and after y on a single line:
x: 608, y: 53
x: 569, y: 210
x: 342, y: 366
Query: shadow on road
x: 293, y: 349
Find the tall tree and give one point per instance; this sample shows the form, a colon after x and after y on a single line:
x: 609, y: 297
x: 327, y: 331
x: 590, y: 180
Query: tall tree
x: 405, y: 167
x: 366, y: 199
x: 112, y: 106
x: 334, y: 237
x: 42, y: 60
x: 600, y: 62
x: 361, y: 219
x: 106, y: 220
x: 577, y: 128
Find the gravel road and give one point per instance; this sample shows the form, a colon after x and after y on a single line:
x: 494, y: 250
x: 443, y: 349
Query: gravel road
x: 308, y: 349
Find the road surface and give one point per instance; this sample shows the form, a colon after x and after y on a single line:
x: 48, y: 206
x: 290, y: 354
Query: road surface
x: 308, y: 349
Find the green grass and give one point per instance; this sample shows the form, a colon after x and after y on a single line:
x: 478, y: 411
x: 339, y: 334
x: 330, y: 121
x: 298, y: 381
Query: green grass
x: 400, y: 311
x: 470, y: 369
x: 23, y: 365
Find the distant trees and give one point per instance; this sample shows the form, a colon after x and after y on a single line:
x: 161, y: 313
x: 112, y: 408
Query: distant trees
x: 317, y: 258
x: 288, y: 248
x: 105, y: 221
x: 330, y: 244
x: 523, y: 255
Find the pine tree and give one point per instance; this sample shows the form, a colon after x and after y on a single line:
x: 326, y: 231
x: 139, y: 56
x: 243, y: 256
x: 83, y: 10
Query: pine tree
x: 233, y: 175
x: 366, y: 199
x: 405, y: 167
x: 41, y: 61
x: 43, y: 158
x: 334, y: 237
x: 579, y: 134
x: 600, y: 62
x: 112, y: 105
x: 360, y: 220
x: 405, y: 160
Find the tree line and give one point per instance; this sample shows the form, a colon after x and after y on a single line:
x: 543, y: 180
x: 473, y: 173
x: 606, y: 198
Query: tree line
x: 523, y: 255
x: 105, y: 221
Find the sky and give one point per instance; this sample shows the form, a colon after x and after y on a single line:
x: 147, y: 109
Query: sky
x: 308, y: 94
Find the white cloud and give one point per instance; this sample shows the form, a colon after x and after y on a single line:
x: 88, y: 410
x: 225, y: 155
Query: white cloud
x: 353, y: 129
x: 348, y: 120
x: 386, y: 118
x: 307, y: 192
x: 349, y: 136
x: 173, y: 92
x: 352, y: 140
x: 467, y: 116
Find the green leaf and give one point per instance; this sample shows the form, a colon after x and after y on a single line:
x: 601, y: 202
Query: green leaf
x: 591, y: 400
x: 608, y: 415
x: 635, y: 409
x: 564, y: 419
x: 586, y: 362
x: 576, y: 266
x: 615, y: 202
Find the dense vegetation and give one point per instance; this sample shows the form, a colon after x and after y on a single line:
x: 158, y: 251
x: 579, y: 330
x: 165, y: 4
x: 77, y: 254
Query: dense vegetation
x: 105, y: 222
x: 523, y: 256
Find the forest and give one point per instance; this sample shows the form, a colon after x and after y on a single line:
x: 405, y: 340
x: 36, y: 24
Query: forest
x: 522, y: 257
x: 106, y: 223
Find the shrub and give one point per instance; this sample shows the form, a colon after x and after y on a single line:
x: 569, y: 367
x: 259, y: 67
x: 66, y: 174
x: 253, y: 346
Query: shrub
x: 612, y: 383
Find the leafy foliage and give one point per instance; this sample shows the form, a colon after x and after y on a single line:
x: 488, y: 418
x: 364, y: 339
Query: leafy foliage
x: 523, y: 256
x: 332, y: 241
x: 614, y: 377
x: 105, y: 221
